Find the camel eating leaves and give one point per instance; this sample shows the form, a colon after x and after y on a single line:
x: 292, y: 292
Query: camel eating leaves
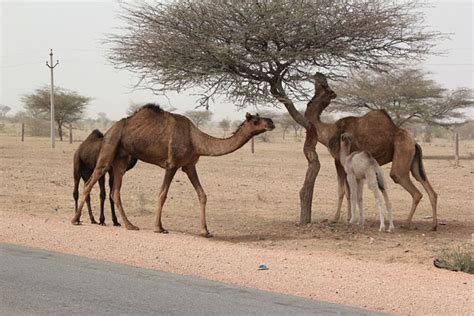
x: 376, y: 134
x: 170, y: 141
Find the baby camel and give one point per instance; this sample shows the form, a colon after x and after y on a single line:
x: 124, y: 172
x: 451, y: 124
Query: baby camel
x: 361, y: 165
x: 85, y: 159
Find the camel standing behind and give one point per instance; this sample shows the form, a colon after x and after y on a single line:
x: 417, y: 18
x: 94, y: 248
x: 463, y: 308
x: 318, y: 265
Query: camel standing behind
x: 85, y: 159
x: 360, y: 166
x: 376, y: 134
x: 170, y: 141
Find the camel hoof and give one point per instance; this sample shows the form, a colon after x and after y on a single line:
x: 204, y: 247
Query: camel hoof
x: 206, y: 235
x: 94, y: 222
x: 117, y: 224
x: 102, y: 224
x: 132, y: 227
x: 76, y: 222
x: 161, y: 231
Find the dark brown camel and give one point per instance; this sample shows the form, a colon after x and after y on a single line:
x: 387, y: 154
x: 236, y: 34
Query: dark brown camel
x: 85, y: 159
x: 170, y: 141
x: 375, y: 133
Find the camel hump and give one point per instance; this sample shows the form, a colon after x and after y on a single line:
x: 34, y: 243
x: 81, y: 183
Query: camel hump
x: 149, y: 106
x: 97, y: 133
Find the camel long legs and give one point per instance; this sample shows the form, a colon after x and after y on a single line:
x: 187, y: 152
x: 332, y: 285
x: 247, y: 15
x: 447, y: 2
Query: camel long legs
x: 352, y: 181
x: 89, y: 208
x: 106, y: 157
x: 388, y: 205
x: 111, y: 200
x: 360, y: 203
x: 193, y: 177
x: 102, y: 200
x: 119, y: 167
x: 169, y: 174
x: 342, y: 189
x: 416, y: 172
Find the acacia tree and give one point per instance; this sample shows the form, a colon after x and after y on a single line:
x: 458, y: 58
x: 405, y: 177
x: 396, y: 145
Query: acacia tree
x: 4, y: 109
x: 406, y: 94
x: 69, y: 106
x: 262, y: 51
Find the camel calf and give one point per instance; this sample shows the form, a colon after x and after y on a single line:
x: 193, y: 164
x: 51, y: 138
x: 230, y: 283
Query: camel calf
x: 360, y: 166
x: 85, y: 159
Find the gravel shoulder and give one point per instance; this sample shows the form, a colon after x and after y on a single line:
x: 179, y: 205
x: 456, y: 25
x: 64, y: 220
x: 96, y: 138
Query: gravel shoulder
x: 396, y: 288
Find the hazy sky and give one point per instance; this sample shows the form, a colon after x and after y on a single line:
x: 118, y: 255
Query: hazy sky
x: 74, y: 30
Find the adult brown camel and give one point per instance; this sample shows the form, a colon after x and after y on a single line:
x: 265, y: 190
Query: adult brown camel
x: 375, y: 133
x: 85, y: 159
x: 170, y: 141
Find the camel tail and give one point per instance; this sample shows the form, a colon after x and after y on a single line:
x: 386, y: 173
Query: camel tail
x: 418, y: 162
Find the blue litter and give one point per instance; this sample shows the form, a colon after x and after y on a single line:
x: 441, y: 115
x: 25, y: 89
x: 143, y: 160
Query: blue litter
x: 262, y: 267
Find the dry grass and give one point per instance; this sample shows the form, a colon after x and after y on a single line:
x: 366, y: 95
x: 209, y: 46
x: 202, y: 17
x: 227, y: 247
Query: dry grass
x: 458, y: 259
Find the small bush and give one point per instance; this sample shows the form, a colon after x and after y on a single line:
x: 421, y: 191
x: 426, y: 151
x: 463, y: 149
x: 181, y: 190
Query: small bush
x: 456, y: 260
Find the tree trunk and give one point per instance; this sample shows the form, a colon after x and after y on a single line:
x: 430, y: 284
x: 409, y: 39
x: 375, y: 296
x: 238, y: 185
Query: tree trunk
x: 22, y: 132
x: 309, y: 149
x: 456, y: 149
x: 306, y: 192
x: 70, y: 133
x: 60, y: 131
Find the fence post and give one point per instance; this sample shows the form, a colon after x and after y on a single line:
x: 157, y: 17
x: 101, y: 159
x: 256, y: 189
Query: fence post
x: 456, y: 149
x: 70, y: 133
x: 22, y: 132
x: 252, y: 146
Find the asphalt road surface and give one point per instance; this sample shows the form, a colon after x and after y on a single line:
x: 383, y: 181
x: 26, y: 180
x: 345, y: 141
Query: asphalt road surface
x: 46, y: 283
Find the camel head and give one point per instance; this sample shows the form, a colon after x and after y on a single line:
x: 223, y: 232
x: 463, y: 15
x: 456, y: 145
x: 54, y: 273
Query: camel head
x: 322, y: 90
x: 255, y: 124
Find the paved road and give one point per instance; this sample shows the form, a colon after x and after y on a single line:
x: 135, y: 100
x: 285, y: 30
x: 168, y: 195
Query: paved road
x: 44, y: 283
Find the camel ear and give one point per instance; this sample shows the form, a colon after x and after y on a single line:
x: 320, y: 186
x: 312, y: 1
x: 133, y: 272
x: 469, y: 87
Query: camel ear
x: 248, y: 116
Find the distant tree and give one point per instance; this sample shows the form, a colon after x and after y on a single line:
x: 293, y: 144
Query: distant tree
x: 199, y: 118
x: 4, y: 109
x: 286, y: 121
x: 406, y: 94
x: 69, y: 106
x: 103, y: 120
x: 225, y: 125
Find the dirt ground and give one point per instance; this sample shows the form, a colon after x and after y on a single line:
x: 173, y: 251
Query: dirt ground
x: 253, y: 210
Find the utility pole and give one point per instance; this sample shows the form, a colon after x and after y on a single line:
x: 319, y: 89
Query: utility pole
x: 51, y: 67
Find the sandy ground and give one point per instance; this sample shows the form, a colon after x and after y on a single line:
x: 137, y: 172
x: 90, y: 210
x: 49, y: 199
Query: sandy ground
x: 253, y: 211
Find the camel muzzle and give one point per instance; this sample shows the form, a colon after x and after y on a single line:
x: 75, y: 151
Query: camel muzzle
x: 270, y: 125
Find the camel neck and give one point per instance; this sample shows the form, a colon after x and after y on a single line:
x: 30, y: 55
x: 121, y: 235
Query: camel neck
x: 343, y: 153
x: 325, y: 130
x: 207, y: 145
